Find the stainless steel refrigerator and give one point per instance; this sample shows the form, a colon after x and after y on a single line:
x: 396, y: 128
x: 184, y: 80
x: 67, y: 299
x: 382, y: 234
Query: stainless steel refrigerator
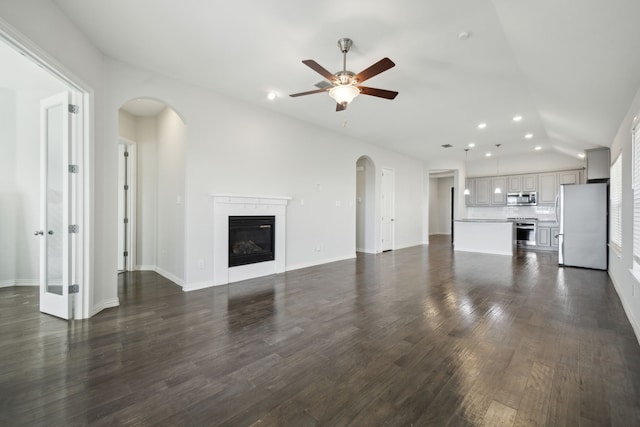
x: 583, y: 225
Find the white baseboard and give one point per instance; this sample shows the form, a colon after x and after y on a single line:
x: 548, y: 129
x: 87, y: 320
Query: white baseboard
x: 18, y: 282
x: 408, y: 245
x: 169, y: 276
x: 635, y: 324
x: 104, y: 304
x: 145, y: 268
x: 197, y: 285
x: 319, y: 262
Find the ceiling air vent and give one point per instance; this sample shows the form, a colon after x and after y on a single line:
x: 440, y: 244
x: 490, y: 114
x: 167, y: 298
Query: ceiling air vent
x: 447, y: 146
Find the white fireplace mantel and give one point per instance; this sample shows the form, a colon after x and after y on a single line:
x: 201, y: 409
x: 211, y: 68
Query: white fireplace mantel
x: 226, y: 205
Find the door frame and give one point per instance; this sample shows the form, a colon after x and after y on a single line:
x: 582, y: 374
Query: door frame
x: 392, y: 237
x: 130, y: 240
x: 81, y: 210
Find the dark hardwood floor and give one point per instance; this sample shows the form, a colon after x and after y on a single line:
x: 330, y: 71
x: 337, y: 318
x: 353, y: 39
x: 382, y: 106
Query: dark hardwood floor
x: 419, y: 336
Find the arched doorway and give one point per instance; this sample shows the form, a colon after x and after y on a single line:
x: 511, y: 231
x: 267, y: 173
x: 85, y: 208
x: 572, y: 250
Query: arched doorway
x: 152, y: 212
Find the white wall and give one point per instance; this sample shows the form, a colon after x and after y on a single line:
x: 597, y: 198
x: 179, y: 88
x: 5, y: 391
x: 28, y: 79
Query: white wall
x: 147, y: 193
x: 365, y: 205
x: 620, y: 265
x: 9, y: 197
x: 171, y: 149
x: 234, y: 148
x: 543, y: 161
x: 20, y: 181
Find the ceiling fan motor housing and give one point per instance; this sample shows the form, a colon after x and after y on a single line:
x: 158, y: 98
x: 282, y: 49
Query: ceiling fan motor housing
x: 345, y: 44
x: 345, y: 78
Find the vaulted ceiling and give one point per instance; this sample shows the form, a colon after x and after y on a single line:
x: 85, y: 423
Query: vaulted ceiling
x: 570, y: 68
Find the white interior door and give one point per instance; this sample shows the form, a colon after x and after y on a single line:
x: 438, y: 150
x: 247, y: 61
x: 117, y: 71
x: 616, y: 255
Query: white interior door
x: 388, y: 209
x: 55, y: 190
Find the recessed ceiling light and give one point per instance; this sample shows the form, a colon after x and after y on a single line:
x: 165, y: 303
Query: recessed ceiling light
x: 472, y: 144
x: 517, y: 118
x: 464, y: 35
x: 488, y: 154
x: 271, y: 96
x: 482, y: 125
x: 538, y: 148
x: 581, y: 155
x: 529, y: 136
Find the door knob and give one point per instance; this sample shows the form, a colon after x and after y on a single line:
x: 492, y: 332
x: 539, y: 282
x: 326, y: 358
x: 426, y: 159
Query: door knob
x: 50, y: 232
x: 38, y: 233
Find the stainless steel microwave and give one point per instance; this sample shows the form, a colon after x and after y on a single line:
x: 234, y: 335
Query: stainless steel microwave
x: 529, y: 198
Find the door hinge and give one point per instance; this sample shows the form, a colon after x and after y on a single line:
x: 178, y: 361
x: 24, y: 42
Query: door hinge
x: 126, y: 220
x: 126, y: 187
x: 73, y: 168
x: 74, y: 109
x: 74, y: 289
x: 126, y: 154
x: 74, y: 228
x: 126, y: 253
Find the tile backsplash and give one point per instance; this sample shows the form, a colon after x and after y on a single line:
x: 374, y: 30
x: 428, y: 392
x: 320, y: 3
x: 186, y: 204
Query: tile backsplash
x: 543, y: 213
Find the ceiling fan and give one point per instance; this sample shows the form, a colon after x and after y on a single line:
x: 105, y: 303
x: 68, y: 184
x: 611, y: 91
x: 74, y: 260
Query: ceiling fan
x: 345, y: 85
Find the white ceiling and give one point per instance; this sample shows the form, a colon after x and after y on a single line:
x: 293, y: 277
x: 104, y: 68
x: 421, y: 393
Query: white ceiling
x: 570, y: 67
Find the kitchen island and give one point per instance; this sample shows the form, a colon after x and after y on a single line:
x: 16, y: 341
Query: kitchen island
x: 490, y: 236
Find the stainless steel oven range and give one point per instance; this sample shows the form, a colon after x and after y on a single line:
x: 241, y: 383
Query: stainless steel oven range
x: 524, y: 230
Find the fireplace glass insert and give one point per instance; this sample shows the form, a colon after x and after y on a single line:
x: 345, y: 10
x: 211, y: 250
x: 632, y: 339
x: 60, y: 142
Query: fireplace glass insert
x: 251, y: 239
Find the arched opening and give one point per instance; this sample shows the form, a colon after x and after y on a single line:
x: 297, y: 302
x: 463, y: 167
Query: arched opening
x: 151, y: 189
x: 365, y: 205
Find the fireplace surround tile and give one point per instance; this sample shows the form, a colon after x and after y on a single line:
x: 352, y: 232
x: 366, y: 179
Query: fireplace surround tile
x: 225, y: 206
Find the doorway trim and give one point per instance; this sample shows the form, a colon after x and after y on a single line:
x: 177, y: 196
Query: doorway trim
x: 130, y: 214
x: 81, y: 148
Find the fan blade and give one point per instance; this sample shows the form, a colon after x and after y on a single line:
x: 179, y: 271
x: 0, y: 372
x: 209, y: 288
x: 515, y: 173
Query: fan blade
x: 380, y: 93
x: 341, y: 106
x: 319, y: 69
x: 311, y: 92
x: 383, y: 65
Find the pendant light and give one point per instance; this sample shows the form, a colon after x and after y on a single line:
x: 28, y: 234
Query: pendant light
x: 466, y: 158
x: 497, y: 190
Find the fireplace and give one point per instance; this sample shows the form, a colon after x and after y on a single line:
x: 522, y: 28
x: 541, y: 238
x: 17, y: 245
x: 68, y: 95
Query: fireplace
x: 229, y: 206
x: 251, y: 239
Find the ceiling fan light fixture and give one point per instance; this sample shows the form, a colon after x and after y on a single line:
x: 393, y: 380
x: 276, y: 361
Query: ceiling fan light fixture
x: 344, y: 93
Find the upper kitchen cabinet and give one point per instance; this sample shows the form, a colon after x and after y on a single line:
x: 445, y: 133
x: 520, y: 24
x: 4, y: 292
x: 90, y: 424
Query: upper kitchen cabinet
x: 530, y: 182
x: 545, y: 184
x: 498, y: 199
x: 547, y: 187
x: 569, y: 177
x: 483, y: 192
x: 598, y: 164
x: 514, y: 183
x: 522, y: 183
x: 470, y: 199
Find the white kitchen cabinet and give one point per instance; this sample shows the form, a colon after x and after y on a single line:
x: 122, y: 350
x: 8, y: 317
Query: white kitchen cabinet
x: 530, y: 182
x: 545, y: 184
x: 543, y: 237
x: 569, y: 177
x: 469, y: 199
x: 547, y: 188
x: 483, y: 192
x: 554, y: 237
x: 514, y: 183
x: 524, y: 183
x: 499, y: 199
